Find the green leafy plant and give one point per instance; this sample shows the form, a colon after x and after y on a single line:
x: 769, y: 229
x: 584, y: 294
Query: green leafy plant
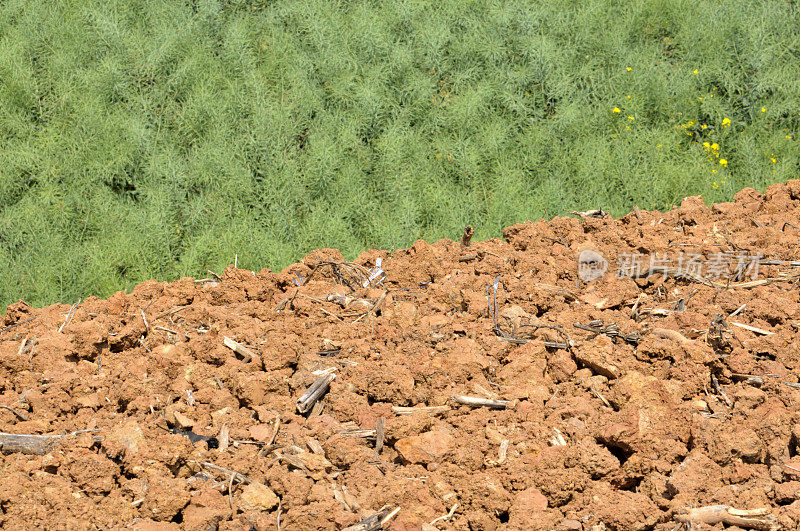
x: 143, y: 139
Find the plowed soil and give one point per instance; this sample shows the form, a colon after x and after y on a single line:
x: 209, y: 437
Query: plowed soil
x: 673, y: 408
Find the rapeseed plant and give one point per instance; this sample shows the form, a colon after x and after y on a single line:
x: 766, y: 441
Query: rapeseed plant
x: 158, y: 139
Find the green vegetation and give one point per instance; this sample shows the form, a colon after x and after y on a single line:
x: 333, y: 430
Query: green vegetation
x: 154, y: 139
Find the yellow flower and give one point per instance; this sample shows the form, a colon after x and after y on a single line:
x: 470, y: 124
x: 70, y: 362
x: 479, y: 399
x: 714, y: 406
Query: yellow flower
x: 658, y: 146
x: 725, y: 122
x: 704, y: 126
x: 788, y: 137
x: 713, y: 171
x: 628, y: 68
x: 723, y: 162
x: 629, y: 97
x: 694, y: 71
x: 699, y: 98
x: 630, y: 118
x: 616, y: 110
x: 627, y: 128
x: 706, y: 145
x: 773, y: 159
x: 763, y: 109
x: 714, y: 146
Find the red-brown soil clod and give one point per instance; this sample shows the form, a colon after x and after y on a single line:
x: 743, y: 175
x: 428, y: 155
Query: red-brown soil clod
x: 619, y: 403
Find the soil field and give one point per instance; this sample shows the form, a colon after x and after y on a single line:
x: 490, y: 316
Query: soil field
x: 193, y: 404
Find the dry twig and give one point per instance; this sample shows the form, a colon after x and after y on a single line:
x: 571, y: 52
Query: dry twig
x: 68, y: 319
x: 15, y: 412
x: 445, y: 517
x: 242, y: 350
x: 715, y: 514
x: 433, y: 410
x: 314, y: 392
x: 480, y: 402
x: 380, y: 429
x: 752, y: 328
x: 12, y: 325
x: 376, y: 521
x: 34, y: 444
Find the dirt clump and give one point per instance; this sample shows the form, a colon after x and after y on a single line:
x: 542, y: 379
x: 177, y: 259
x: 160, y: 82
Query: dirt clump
x: 668, y: 381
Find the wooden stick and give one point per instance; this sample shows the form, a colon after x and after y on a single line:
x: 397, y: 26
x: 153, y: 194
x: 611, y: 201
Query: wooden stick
x: 719, y: 390
x: 445, y: 517
x: 69, y: 316
x: 241, y: 478
x: 737, y: 310
x: 33, y: 444
x: 315, y: 446
x: 170, y: 312
x: 433, y: 410
x: 331, y: 314
x: 752, y: 328
x: 275, y: 429
x: 26, y: 345
x: 715, y: 514
x: 376, y: 521
x: 240, y: 349
x: 230, y: 495
x: 351, y: 429
x: 169, y: 331
x: 601, y: 397
x: 480, y: 402
x: 380, y: 429
x: 224, y: 438
x: 14, y: 411
x: 12, y: 325
x: 750, y: 379
x: 314, y: 393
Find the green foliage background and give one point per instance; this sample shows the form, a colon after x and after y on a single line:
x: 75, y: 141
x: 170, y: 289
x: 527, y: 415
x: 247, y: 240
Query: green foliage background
x: 153, y: 139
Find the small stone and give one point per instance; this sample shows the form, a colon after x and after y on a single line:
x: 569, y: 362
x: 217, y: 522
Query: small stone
x: 92, y: 400
x: 183, y: 421
x: 261, y: 432
x: 748, y: 397
x: 597, y: 356
x: 257, y: 497
x: 529, y: 501
x: 207, y: 508
x: 570, y: 525
x: 425, y: 448
x: 129, y: 435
